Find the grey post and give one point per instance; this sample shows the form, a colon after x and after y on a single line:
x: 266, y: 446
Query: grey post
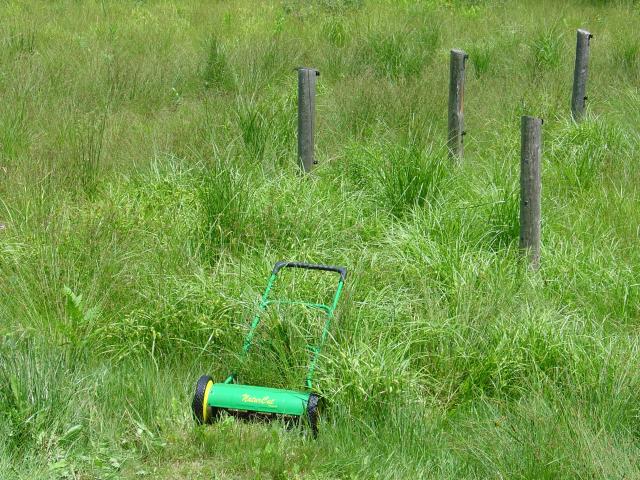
x: 456, y: 104
x: 306, y: 116
x: 579, y: 96
x: 530, y: 188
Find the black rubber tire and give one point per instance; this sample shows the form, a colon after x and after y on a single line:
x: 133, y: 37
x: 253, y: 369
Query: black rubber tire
x: 312, y: 414
x: 199, y: 400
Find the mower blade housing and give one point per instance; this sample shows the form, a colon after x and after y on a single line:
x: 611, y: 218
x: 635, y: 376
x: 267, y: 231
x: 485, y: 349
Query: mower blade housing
x: 258, y: 399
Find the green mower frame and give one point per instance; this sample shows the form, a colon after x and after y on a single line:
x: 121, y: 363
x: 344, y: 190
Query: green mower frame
x: 257, y: 401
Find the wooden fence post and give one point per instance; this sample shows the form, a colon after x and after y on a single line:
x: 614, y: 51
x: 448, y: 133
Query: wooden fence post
x: 456, y: 104
x: 306, y: 116
x: 579, y: 96
x: 530, y: 189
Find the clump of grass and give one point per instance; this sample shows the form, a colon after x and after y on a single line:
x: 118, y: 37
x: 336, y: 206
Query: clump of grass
x: 481, y: 59
x: 401, y: 177
x: 184, y: 321
x: 37, y: 396
x: 546, y: 48
x: 217, y: 72
x: 334, y: 7
x: 14, y: 131
x: 627, y: 58
x: 253, y: 128
x: 131, y: 81
x: 335, y: 32
x: 582, y: 152
x: 340, y: 6
x: 401, y: 54
x: 361, y: 110
x: 87, y: 138
x: 507, y: 370
x: 224, y: 202
x: 18, y: 43
x: 409, y: 177
x: 268, y: 133
x: 504, y: 220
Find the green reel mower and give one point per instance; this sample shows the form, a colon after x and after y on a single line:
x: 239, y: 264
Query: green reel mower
x: 260, y: 401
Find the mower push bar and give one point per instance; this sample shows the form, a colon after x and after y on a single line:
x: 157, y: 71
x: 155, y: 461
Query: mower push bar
x: 328, y: 310
x: 310, y: 266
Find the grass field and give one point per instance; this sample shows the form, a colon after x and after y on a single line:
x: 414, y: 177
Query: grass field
x: 148, y: 183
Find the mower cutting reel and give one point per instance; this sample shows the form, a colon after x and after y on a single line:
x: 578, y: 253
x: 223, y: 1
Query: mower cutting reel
x: 260, y: 401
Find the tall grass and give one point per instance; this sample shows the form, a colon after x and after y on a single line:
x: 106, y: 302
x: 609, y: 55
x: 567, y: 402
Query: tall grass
x: 149, y: 183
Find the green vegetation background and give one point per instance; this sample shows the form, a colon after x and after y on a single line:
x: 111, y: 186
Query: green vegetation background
x: 149, y: 182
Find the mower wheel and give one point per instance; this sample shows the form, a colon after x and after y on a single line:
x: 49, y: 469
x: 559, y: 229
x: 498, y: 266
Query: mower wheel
x: 312, y: 413
x: 202, y: 412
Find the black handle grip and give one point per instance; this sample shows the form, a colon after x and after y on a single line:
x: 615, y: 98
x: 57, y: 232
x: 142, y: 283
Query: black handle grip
x: 310, y: 266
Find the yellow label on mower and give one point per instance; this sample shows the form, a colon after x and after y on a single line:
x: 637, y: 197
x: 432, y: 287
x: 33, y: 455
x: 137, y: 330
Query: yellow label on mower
x: 266, y: 400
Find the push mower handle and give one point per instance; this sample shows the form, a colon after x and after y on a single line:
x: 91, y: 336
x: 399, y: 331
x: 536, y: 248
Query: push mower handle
x: 310, y: 266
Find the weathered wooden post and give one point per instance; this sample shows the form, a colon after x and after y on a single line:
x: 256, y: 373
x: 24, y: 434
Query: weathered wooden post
x: 456, y: 104
x: 579, y: 96
x: 306, y: 116
x: 530, y: 189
